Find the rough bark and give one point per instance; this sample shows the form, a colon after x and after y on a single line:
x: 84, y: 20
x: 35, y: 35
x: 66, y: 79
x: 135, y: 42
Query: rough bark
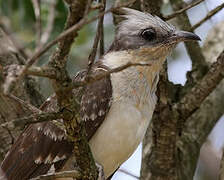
x: 199, y: 65
x: 171, y: 147
x: 66, y: 102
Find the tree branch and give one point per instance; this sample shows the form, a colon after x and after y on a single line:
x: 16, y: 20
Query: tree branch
x: 208, y: 16
x: 180, y: 11
x: 98, y: 77
x: 37, y: 11
x: 44, y: 71
x: 40, y: 52
x: 128, y: 173
x: 27, y: 105
x: 98, y: 37
x: 102, y: 29
x: 35, y: 118
x: 193, y: 99
x: 196, y: 130
x: 14, y: 42
x: 64, y: 174
x: 78, y: 11
x: 50, y: 23
x: 199, y: 65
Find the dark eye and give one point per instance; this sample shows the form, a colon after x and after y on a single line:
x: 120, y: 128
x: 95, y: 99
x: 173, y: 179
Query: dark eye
x: 148, y: 34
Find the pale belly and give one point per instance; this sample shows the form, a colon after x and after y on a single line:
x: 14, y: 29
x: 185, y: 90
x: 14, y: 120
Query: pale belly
x: 120, y: 134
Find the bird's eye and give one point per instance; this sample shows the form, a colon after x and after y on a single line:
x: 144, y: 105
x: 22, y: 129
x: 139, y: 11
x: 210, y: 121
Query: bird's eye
x: 148, y: 34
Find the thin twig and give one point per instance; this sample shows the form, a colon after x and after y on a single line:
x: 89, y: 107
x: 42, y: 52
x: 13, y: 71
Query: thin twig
x: 34, y: 118
x: 208, y: 16
x: 64, y: 174
x: 37, y: 11
x: 128, y: 173
x: 88, y: 8
x: 41, y: 51
x: 44, y: 71
x: 50, y: 23
x: 199, y: 65
x: 173, y: 15
x: 193, y: 99
x: 92, y: 55
x: 102, y: 29
x: 27, y: 105
x: 92, y: 79
x: 53, y: 74
x: 14, y: 42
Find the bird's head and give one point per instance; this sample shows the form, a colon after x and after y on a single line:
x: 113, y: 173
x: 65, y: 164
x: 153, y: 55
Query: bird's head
x: 146, y: 34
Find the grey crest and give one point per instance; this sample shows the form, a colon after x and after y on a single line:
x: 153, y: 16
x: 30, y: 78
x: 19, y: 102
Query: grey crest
x: 128, y: 32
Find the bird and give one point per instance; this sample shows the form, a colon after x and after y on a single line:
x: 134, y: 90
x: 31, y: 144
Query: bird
x: 116, y: 109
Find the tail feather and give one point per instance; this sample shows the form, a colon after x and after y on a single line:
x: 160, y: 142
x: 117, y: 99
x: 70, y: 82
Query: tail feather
x: 40, y: 148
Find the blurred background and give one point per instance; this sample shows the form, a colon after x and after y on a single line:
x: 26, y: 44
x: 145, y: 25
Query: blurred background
x: 18, y: 17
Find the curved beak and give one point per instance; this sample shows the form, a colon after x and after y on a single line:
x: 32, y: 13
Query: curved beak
x: 185, y: 36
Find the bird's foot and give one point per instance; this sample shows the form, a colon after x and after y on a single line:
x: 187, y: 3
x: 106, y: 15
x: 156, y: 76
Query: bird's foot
x: 100, y: 172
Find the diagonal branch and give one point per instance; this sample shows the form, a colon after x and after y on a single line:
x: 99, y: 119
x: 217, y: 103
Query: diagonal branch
x: 50, y: 23
x: 199, y: 123
x: 97, y: 77
x: 193, y: 99
x: 30, y: 107
x: 208, y: 16
x: 35, y: 118
x: 73, y: 29
x: 44, y: 71
x: 128, y: 173
x: 199, y: 65
x: 14, y: 42
x: 98, y: 37
x: 37, y: 11
x: 64, y: 174
x: 102, y: 29
x: 176, y: 13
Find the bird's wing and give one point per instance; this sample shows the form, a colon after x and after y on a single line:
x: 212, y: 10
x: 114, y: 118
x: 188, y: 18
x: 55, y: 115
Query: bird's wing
x: 43, y: 147
x: 96, y: 101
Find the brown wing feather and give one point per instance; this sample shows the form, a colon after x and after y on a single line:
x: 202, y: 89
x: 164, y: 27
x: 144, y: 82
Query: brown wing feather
x: 43, y: 146
x: 36, y: 150
x: 96, y: 102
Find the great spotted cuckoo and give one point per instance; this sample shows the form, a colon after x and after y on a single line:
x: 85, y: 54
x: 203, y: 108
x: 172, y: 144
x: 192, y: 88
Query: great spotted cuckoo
x: 116, y: 109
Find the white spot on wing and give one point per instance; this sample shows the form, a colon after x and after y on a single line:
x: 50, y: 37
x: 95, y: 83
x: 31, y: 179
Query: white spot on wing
x: 101, y: 112
x: 83, y: 108
x: 94, y: 106
x: 93, y: 116
x: 103, y: 100
x: 51, y: 170
x: 48, y: 160
x: 53, y: 135
x: 39, y: 128
x: 47, y: 132
x: 85, y: 117
x: 38, y: 160
x: 57, y: 158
